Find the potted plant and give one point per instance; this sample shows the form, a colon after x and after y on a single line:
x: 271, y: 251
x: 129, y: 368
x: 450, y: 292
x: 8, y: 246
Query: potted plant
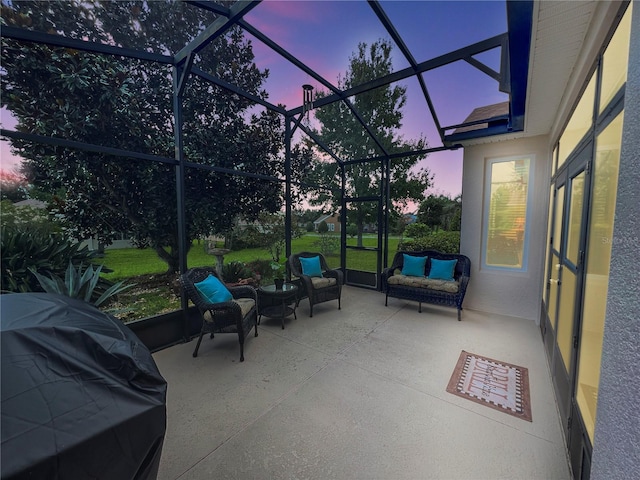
x: 278, y: 274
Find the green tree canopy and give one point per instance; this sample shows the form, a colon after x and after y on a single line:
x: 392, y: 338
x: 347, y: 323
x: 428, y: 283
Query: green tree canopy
x: 340, y: 130
x: 440, y: 212
x: 127, y: 104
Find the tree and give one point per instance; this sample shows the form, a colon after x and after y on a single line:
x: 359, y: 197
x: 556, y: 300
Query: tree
x: 127, y: 104
x: 430, y: 211
x: 452, y: 216
x: 323, y: 227
x: 12, y: 186
x: 440, y: 211
x: 341, y: 131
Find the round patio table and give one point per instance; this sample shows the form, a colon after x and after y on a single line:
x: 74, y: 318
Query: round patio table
x: 277, y: 302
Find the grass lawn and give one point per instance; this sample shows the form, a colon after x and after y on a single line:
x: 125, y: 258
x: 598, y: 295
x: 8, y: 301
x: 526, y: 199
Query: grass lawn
x: 133, y: 262
x: 157, y: 293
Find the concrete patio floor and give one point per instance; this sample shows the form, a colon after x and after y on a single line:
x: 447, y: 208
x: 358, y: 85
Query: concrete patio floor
x: 356, y: 393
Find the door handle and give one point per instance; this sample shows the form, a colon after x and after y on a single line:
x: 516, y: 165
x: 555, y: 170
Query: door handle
x: 553, y: 281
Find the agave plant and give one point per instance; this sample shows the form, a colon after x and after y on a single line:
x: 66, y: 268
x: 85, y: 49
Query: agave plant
x: 80, y: 284
x: 25, y: 248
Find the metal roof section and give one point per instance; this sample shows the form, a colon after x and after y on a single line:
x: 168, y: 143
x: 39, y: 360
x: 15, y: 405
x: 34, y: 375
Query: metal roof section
x: 509, y: 72
x: 512, y: 78
x: 561, y: 54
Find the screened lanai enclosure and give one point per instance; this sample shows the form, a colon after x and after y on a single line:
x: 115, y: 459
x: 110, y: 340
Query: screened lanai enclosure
x: 174, y: 121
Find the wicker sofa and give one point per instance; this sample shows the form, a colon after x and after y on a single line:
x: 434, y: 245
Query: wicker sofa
x: 425, y: 290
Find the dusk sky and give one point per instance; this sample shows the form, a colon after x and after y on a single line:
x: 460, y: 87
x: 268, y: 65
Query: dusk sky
x: 324, y: 34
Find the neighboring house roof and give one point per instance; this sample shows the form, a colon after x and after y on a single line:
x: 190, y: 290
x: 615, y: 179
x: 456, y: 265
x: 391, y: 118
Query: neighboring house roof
x: 497, y: 112
x: 323, y: 218
x: 31, y: 203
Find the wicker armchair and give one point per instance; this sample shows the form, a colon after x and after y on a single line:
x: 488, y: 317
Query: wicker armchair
x: 236, y: 316
x: 316, y: 289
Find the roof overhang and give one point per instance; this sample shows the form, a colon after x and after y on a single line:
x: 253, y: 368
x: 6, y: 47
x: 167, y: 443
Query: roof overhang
x: 516, y: 71
x: 565, y: 39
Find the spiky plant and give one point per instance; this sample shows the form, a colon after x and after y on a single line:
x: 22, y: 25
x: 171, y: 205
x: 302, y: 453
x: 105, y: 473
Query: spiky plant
x: 80, y: 284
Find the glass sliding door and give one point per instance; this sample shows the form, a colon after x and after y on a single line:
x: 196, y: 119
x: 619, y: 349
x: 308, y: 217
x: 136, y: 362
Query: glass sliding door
x: 581, y: 216
x: 600, y: 240
x: 564, y: 274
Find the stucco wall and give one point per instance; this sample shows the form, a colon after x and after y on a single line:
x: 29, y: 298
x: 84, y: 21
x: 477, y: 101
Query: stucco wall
x: 616, y: 452
x: 519, y: 293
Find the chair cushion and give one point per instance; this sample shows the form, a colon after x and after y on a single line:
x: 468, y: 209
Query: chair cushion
x: 442, y: 269
x: 413, y: 266
x: 311, y: 266
x: 246, y: 304
x: 423, y: 282
x: 322, y: 282
x: 213, y: 290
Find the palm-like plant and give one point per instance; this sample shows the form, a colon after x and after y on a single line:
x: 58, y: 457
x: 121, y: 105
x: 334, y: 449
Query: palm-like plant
x: 80, y: 284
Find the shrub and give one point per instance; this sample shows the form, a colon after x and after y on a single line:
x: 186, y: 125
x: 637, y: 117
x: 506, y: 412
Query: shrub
x: 24, y: 250
x: 261, y: 268
x: 416, y: 230
x: 327, y: 244
x: 26, y: 217
x: 234, y: 271
x: 352, y: 230
x: 445, y: 242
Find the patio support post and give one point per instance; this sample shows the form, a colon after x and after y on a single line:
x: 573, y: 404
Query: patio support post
x: 287, y: 186
x: 386, y: 183
x: 178, y: 88
x: 343, y: 220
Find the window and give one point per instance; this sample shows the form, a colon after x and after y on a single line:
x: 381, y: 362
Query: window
x: 506, y: 208
x: 579, y: 123
x: 614, y: 61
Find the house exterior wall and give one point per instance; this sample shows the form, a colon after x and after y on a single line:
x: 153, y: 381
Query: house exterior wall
x: 333, y: 222
x: 616, y: 450
x: 518, y: 294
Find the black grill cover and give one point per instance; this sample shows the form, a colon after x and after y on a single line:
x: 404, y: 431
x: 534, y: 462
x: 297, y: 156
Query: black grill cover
x: 81, y: 395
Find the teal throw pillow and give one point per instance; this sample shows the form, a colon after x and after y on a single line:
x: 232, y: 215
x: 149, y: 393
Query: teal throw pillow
x: 213, y: 290
x: 442, y: 269
x: 413, y: 266
x: 311, y: 266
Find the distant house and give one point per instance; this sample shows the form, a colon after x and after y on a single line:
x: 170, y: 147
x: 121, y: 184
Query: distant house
x: 30, y: 202
x: 409, y: 218
x: 332, y: 221
x: 123, y: 240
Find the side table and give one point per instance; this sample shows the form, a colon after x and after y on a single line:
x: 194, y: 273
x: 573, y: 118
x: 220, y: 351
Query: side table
x: 276, y: 303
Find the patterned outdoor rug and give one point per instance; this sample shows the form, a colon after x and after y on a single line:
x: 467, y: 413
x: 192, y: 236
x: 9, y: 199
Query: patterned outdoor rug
x: 493, y: 383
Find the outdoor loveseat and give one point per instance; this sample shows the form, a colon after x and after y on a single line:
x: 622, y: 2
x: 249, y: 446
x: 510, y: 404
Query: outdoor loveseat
x: 401, y: 282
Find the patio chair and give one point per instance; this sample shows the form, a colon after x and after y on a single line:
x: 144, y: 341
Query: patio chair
x: 320, y: 284
x: 236, y: 315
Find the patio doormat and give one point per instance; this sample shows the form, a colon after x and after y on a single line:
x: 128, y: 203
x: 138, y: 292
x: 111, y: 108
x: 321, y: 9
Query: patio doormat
x: 499, y: 385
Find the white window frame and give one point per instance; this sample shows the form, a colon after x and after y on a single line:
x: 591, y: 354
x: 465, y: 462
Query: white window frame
x: 489, y: 162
